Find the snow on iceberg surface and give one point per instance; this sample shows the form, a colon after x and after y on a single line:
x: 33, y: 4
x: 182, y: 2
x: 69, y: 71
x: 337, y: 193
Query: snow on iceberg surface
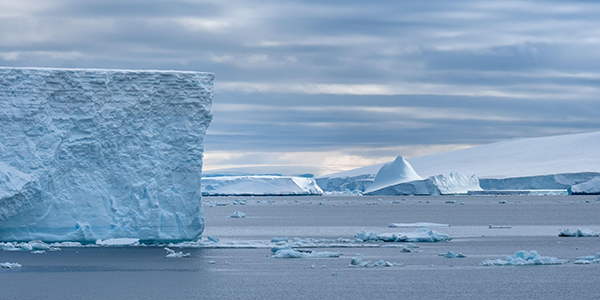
x: 100, y: 154
x: 393, y: 173
x: 263, y: 185
x: 524, y: 258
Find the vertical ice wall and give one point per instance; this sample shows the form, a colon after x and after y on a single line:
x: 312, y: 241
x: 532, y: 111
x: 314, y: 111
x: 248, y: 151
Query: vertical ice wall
x: 95, y: 154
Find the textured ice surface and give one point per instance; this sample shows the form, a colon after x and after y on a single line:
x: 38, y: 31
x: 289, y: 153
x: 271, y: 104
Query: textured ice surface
x: 237, y: 214
x: 100, y: 154
x: 419, y: 235
x: 260, y: 185
x: 393, y: 173
x: 579, y: 233
x: 173, y: 254
x: 524, y: 258
x: 9, y: 265
x: 589, y: 187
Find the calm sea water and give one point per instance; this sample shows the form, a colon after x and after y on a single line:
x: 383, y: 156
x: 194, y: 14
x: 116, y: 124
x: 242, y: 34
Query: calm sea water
x: 145, y: 273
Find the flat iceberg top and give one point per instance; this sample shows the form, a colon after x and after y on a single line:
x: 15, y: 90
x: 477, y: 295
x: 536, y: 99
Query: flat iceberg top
x: 260, y: 185
x: 87, y: 70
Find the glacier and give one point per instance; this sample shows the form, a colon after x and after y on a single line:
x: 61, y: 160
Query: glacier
x: 259, y: 185
x: 563, y: 162
x: 88, y: 154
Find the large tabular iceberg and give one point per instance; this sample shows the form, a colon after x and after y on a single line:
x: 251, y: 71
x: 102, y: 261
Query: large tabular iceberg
x: 98, y: 154
x: 260, y: 185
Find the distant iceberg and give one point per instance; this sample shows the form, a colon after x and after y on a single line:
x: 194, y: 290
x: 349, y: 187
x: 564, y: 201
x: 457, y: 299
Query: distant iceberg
x: 419, y: 235
x: 579, y: 233
x: 393, y: 173
x: 443, y: 184
x: 259, y: 185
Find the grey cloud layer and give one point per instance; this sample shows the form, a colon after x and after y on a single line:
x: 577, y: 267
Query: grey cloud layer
x: 322, y: 75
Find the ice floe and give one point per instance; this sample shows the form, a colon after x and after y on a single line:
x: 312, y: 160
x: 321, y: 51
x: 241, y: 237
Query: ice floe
x: 237, y: 214
x: 172, y: 254
x: 28, y: 246
x: 297, y: 253
x: 582, y: 260
x: 524, y: 258
x: 418, y: 224
x: 357, y: 262
x: 419, y: 235
x: 579, y: 233
x: 9, y: 265
x: 451, y: 254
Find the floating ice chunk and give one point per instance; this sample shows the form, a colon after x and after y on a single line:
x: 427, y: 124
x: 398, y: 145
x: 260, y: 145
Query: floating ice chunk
x: 498, y: 226
x: 173, y: 254
x: 212, y: 262
x: 213, y: 239
x: 588, y: 259
x: 221, y: 203
x: 419, y: 235
x: 9, y: 265
x: 524, y: 258
x: 418, y: 224
x: 29, y: 246
x: 579, y: 233
x: 38, y: 251
x: 293, y: 253
x: 279, y: 239
x: 237, y: 214
x: 118, y: 242
x: 357, y: 262
x: 451, y: 254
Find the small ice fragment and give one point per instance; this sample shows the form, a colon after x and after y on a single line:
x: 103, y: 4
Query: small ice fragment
x: 221, y: 203
x: 313, y: 266
x: 503, y: 201
x: 524, y: 258
x: 279, y: 239
x: 213, y: 239
x: 172, y: 254
x: 292, y: 253
x: 9, y: 265
x: 406, y: 249
x: 38, y: 251
x: 498, y: 226
x: 335, y: 273
x: 451, y: 254
x: 237, y: 214
x: 226, y: 262
x: 212, y: 262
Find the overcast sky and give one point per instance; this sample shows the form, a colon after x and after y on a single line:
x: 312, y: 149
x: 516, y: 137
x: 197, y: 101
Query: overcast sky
x: 324, y: 86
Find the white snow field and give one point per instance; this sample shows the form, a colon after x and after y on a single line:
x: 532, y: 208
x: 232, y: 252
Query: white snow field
x: 550, y: 163
x: 259, y: 185
x: 89, y: 154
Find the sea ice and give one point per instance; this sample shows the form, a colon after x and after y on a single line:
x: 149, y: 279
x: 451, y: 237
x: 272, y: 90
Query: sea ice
x: 418, y: 224
x: 419, y: 235
x: 588, y: 259
x: 172, y: 254
x: 9, y: 265
x: 524, y: 258
x: 451, y: 254
x: 357, y: 262
x: 579, y: 233
x: 293, y: 253
x: 98, y: 154
x: 237, y: 214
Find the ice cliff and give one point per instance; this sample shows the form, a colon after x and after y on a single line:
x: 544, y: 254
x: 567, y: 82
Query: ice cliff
x: 97, y: 154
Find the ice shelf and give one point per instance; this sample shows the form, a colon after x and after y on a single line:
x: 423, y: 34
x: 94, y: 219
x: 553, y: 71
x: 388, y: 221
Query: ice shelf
x: 89, y: 154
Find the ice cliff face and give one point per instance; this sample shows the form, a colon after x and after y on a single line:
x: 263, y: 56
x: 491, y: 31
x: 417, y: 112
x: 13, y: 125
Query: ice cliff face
x: 262, y: 185
x: 97, y: 154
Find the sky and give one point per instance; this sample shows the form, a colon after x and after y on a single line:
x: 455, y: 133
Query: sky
x: 325, y: 86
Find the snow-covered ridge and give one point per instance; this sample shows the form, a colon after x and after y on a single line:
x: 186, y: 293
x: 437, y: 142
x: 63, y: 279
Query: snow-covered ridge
x: 259, y: 185
x: 554, y: 162
x: 89, y: 154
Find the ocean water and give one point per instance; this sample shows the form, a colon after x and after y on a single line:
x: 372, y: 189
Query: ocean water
x: 145, y: 273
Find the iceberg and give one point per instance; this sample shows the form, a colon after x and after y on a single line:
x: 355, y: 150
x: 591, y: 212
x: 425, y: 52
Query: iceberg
x: 451, y: 254
x: 237, y: 215
x: 172, y: 254
x: 419, y: 235
x: 579, y: 233
x: 9, y: 265
x: 89, y: 154
x: 443, y: 184
x: 293, y: 253
x: 582, y: 260
x: 514, y: 164
x: 524, y: 258
x: 259, y: 185
x: 393, y: 173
